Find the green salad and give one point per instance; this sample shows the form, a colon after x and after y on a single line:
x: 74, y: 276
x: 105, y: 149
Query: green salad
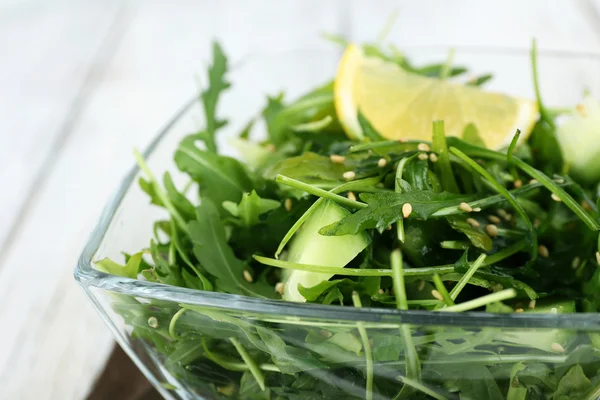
x: 393, y: 186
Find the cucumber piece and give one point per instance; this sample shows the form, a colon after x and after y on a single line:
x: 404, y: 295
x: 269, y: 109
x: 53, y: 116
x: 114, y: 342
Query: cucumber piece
x: 578, y: 138
x: 552, y: 340
x: 309, y: 247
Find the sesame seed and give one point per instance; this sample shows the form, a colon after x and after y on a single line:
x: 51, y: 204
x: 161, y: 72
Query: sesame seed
x: 247, y: 276
x: 493, y: 219
x: 557, y: 347
x: 388, y: 228
x: 473, y: 222
x: 581, y: 110
x: 380, y: 291
x: 433, y: 157
x: 532, y: 304
x: 349, y: 175
x: 537, y: 222
x: 402, y: 140
x: 351, y: 196
x: 543, y: 251
x: 423, y: 147
x: 423, y: 156
x: 598, y: 257
x: 406, y: 210
x: 288, y: 204
x: 498, y: 287
x: 337, y: 159
x: 531, y: 182
x: 518, y: 183
x: 465, y: 207
x: 280, y: 287
x: 382, y: 162
x: 508, y: 217
x: 421, y: 285
x: 270, y: 147
x: 437, y: 295
x: 560, y: 181
x: 325, y: 333
x: 555, y: 197
x: 491, y: 230
x: 502, y: 212
x: 519, y: 310
x: 586, y: 206
x: 575, y: 263
x: 477, y: 209
x: 153, y: 322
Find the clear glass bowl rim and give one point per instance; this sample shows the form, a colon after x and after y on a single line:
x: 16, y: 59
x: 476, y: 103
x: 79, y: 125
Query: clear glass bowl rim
x: 88, y: 277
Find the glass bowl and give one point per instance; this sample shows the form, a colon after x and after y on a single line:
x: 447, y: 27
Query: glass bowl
x: 307, y: 351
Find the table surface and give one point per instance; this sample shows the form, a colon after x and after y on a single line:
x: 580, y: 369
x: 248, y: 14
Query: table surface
x: 83, y: 83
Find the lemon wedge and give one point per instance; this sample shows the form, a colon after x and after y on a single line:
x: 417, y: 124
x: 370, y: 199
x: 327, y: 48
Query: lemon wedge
x: 402, y: 105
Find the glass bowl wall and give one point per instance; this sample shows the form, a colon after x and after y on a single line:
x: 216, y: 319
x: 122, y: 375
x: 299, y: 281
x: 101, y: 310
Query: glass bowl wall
x: 305, y: 351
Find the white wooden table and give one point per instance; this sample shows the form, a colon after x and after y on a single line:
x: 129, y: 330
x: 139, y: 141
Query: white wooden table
x: 82, y: 83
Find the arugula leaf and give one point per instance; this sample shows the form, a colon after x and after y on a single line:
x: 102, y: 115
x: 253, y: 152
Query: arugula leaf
x: 385, y: 209
x: 309, y: 168
x: 573, y: 385
x: 250, y: 208
x: 129, y: 270
x: 220, y: 178
x: 217, y: 257
x: 477, y: 236
x: 210, y: 96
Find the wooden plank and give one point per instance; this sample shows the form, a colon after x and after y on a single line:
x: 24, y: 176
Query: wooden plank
x: 46, y: 53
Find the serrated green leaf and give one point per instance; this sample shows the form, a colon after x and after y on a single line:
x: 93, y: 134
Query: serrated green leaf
x: 385, y: 209
x: 250, y: 208
x: 129, y: 270
x: 216, y: 256
x: 220, y: 178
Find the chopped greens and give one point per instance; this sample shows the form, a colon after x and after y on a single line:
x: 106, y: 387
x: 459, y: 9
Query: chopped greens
x: 358, y: 220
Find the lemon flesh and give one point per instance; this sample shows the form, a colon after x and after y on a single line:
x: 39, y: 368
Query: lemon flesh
x: 402, y: 105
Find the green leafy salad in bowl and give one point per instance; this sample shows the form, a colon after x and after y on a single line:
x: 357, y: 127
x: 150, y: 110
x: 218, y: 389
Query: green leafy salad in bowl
x: 409, y: 190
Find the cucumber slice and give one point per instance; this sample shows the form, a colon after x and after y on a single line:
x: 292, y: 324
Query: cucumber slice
x: 553, y: 340
x: 578, y: 138
x: 309, y: 247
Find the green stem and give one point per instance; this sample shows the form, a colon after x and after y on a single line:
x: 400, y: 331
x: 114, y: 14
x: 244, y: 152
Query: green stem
x: 466, y: 277
x: 235, y: 365
x: 445, y: 72
x: 413, y: 366
x: 443, y: 166
x: 536, y: 86
x: 502, y: 190
x: 173, y: 322
x: 542, y: 178
x: 422, y: 388
x: 488, y: 201
x: 367, y: 347
x: 254, y: 369
x: 159, y: 192
x: 354, y: 185
x: 439, y: 285
x: 398, y: 189
x: 319, y: 192
x: 411, y: 272
x: 482, y: 301
x: 455, y: 244
x: 558, y: 191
